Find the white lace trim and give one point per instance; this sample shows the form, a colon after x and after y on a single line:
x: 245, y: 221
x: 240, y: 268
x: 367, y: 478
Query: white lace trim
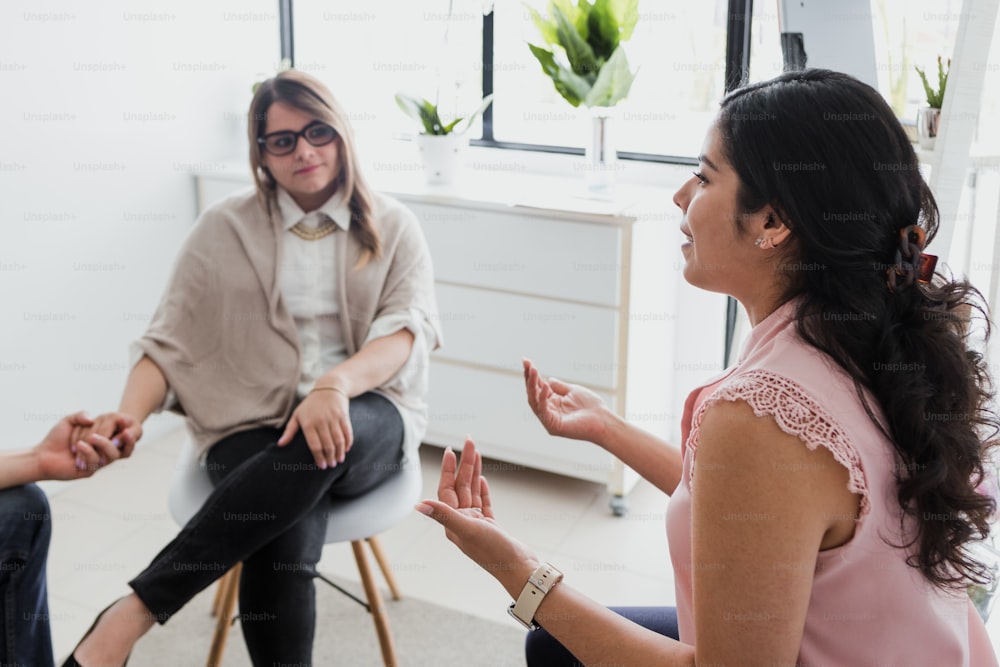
x: 795, y: 413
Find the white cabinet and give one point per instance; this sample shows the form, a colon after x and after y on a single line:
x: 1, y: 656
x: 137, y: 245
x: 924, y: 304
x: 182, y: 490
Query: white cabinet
x: 581, y: 292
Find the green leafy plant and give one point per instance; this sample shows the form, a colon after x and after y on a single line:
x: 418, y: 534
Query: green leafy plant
x: 935, y: 97
x: 594, y: 70
x: 425, y: 112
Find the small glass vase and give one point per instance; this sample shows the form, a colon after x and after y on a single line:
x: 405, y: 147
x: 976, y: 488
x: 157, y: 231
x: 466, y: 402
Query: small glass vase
x: 928, y: 121
x: 601, y: 156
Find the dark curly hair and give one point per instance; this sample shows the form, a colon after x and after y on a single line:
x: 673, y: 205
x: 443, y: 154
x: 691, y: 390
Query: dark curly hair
x: 826, y: 151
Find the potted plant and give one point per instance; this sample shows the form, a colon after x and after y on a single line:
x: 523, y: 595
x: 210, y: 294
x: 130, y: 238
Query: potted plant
x: 440, y: 143
x: 929, y: 117
x: 588, y: 66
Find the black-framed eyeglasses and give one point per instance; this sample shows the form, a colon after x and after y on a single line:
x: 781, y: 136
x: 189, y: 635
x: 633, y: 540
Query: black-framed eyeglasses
x: 316, y: 133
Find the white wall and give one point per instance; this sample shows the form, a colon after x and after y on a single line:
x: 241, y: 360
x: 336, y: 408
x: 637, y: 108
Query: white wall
x: 107, y: 107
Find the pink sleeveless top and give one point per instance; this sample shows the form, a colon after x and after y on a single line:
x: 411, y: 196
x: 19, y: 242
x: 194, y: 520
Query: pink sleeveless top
x: 868, y: 607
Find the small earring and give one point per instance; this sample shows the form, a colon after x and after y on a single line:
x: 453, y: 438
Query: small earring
x: 765, y: 244
x: 759, y: 241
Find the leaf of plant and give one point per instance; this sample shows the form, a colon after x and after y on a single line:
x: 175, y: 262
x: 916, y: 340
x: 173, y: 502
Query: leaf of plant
x: 942, y: 80
x: 475, y: 114
x: 626, y: 13
x: 430, y: 118
x: 613, y: 83
x: 580, y: 55
x: 573, y: 88
x: 411, y: 106
x: 546, y: 28
x: 450, y: 126
x: 603, y: 29
x: 577, y: 14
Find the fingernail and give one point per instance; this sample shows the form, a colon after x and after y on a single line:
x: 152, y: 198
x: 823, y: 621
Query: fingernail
x: 424, y: 508
x: 80, y: 465
x: 72, y: 448
x: 340, y: 460
x: 322, y: 465
x: 117, y: 443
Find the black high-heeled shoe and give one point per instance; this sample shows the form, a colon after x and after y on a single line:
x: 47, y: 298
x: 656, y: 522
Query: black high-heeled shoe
x: 71, y: 661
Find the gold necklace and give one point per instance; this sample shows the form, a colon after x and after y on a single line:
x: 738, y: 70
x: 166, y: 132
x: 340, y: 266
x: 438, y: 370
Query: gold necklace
x: 313, y: 233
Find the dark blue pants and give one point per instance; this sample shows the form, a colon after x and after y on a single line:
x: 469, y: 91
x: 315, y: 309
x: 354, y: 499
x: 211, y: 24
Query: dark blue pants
x: 25, y: 529
x: 542, y: 650
x: 269, y: 511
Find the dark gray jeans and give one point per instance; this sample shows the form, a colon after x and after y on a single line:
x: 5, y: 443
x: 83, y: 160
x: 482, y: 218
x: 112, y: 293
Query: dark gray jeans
x: 269, y: 511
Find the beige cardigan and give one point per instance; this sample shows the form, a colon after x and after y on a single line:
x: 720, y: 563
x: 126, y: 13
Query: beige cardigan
x: 225, y: 340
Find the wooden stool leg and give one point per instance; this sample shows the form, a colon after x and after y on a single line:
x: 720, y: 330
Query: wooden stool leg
x: 383, y: 564
x: 229, y: 586
x: 375, y: 602
x: 220, y: 591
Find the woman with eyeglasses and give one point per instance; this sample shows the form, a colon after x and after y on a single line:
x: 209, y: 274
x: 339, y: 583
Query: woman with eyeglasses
x: 294, y: 336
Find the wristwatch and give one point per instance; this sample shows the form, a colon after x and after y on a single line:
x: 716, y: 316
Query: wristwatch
x: 541, y: 581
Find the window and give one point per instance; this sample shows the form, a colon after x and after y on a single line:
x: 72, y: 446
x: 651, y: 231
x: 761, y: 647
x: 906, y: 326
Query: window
x: 367, y: 52
x: 679, y: 51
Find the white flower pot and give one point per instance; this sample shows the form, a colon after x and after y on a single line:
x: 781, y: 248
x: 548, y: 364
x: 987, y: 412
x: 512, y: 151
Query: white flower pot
x: 928, y: 120
x: 442, y: 156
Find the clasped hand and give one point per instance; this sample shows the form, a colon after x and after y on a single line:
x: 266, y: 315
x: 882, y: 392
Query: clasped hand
x: 77, y: 446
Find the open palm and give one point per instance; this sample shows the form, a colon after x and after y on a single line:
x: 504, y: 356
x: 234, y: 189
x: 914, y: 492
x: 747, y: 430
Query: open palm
x: 567, y: 410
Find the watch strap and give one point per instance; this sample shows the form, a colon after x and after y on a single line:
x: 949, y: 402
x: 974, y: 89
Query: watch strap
x: 541, y: 581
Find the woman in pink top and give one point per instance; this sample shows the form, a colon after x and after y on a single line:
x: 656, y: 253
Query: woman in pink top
x: 824, y: 497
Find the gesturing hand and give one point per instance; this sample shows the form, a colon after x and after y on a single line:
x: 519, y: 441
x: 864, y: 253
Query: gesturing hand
x: 465, y: 510
x: 567, y: 410
x: 463, y: 487
x: 325, y: 420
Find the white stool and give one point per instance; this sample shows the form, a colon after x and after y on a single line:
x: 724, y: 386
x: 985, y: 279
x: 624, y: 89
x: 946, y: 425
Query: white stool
x: 355, y: 520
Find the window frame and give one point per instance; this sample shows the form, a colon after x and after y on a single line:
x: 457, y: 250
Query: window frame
x: 737, y: 70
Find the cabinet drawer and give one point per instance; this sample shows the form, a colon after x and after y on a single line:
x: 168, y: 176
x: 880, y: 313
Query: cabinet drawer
x: 523, y: 253
x: 492, y: 409
x: 571, y: 341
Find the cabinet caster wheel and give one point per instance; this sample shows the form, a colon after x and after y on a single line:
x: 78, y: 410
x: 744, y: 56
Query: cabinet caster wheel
x: 619, y: 505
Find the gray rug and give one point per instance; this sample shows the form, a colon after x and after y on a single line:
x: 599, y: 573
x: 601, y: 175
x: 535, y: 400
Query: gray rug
x: 425, y: 635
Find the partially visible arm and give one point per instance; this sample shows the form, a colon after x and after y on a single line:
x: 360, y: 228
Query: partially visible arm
x: 763, y: 505
x: 371, y: 366
x: 655, y: 459
x: 324, y: 416
x: 572, y: 411
x: 56, y: 457
x: 145, y: 390
x: 593, y: 633
x: 18, y: 468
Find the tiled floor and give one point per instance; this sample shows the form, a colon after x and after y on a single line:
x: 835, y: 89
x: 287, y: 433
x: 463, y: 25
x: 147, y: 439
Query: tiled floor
x: 108, y: 527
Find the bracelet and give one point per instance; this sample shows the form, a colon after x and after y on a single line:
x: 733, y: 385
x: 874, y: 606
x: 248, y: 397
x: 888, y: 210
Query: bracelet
x: 541, y: 581
x: 331, y: 388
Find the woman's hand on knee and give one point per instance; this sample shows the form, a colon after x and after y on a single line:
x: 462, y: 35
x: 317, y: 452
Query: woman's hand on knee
x: 325, y: 421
